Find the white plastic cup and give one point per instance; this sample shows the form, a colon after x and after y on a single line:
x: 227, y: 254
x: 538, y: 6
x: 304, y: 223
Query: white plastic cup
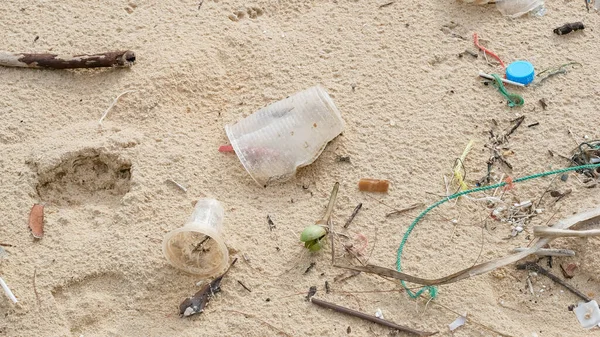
x: 275, y: 141
x: 516, y: 8
x: 183, y: 249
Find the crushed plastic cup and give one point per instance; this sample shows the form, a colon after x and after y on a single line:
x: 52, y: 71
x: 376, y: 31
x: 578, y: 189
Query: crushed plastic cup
x: 198, y: 247
x: 276, y: 140
x: 516, y: 8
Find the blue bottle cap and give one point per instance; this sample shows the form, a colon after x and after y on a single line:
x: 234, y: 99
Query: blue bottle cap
x: 521, y: 72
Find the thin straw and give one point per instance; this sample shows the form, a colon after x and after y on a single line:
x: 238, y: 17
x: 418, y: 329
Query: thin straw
x: 7, y: 291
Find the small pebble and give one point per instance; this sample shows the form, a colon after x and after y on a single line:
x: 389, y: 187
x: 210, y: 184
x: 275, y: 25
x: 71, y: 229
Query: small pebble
x: 564, y: 177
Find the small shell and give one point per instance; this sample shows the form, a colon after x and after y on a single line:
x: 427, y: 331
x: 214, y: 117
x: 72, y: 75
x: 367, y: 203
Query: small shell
x: 36, y: 221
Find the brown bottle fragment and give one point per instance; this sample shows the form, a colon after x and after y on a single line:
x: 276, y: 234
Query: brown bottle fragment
x: 373, y: 185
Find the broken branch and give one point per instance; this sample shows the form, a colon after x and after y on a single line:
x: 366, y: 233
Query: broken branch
x: 117, y: 59
x: 369, y: 318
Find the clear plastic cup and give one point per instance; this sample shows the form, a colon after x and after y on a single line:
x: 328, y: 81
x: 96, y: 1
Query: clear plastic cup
x: 198, y: 247
x: 275, y: 141
x: 516, y: 8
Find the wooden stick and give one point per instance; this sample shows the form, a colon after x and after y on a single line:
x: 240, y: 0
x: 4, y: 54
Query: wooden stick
x: 548, y: 252
x: 358, y: 207
x: 541, y: 231
x: 117, y: 59
x: 369, y: 318
x: 532, y: 266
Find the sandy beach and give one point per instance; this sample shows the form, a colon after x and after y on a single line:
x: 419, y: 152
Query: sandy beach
x: 410, y: 103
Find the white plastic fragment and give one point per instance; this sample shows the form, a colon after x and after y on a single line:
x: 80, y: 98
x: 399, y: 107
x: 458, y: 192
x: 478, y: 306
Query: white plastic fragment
x: 588, y: 314
x: 458, y: 322
x: 379, y: 314
x: 9, y: 293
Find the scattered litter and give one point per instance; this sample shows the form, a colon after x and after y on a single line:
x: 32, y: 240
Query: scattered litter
x: 497, y: 145
x: 36, y: 221
x: 588, y: 314
x: 458, y: 322
x: 373, y: 185
x: 369, y: 318
x: 196, y: 304
x: 379, y: 314
x: 275, y: 141
x: 478, y: 269
x: 7, y: 291
x: 564, y: 177
x: 533, y: 266
x: 356, y: 209
x: 569, y: 27
x: 568, y: 269
x: 198, y: 247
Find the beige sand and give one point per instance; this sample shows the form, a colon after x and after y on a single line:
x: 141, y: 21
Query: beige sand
x: 411, y: 105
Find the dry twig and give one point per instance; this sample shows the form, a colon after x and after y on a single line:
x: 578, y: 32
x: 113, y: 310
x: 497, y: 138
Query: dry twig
x: 51, y: 61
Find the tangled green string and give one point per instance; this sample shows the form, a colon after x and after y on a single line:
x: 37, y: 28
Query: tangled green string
x: 432, y: 289
x: 513, y: 99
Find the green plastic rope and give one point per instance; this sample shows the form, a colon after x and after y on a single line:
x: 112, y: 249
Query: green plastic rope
x: 431, y: 289
x: 513, y: 99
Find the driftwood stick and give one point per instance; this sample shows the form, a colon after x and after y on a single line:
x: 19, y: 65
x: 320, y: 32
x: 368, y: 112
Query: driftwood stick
x: 532, y: 266
x: 548, y: 251
x: 369, y: 318
x: 542, y: 231
x: 119, y: 59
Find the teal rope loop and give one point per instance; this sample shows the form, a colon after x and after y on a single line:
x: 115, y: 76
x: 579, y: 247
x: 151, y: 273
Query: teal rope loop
x: 432, y: 289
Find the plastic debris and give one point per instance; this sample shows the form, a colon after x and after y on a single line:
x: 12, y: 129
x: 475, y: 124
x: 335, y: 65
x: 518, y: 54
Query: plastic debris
x: 198, y: 247
x: 9, y: 293
x: 373, y: 185
x: 458, y: 322
x: 516, y: 8
x: 569, y: 27
x: 379, y: 314
x: 276, y: 140
x: 588, y: 314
